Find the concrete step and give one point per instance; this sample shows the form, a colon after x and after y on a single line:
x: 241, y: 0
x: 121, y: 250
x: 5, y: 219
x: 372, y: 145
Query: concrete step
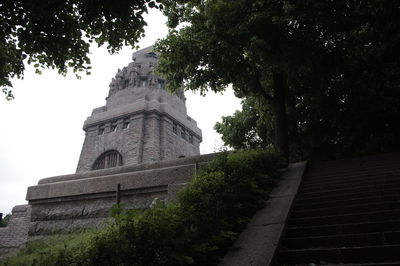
x: 351, y: 183
x: 346, y: 218
x: 349, y: 190
x: 325, y: 175
x: 321, y: 256
x: 345, y: 202
x: 347, y: 212
x: 350, y: 209
x: 382, y: 161
x: 393, y: 191
x: 364, y: 264
x: 338, y: 229
x: 374, y: 159
x: 345, y: 240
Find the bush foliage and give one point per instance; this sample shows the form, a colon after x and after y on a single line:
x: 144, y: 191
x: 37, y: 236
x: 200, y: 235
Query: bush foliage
x: 4, y: 221
x: 196, y: 230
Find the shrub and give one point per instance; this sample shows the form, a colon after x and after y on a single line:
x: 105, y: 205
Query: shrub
x: 60, y: 250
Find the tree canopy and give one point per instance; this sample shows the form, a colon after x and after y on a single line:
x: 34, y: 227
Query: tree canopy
x: 57, y: 34
x: 243, y: 43
x: 337, y: 63
x: 248, y: 128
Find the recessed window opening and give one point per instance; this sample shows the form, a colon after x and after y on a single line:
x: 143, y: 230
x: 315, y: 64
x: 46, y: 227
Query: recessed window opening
x: 143, y: 81
x: 126, y: 124
x: 183, y: 134
x: 101, y: 130
x: 161, y: 84
x: 151, y: 54
x: 113, y: 127
x: 108, y: 159
x: 191, y: 138
x: 175, y: 128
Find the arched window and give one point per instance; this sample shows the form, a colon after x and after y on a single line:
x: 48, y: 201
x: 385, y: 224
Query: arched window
x: 107, y: 160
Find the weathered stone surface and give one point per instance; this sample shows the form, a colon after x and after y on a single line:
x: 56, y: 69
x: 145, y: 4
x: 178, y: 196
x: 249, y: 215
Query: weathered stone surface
x: 67, y: 204
x: 102, y: 184
x: 159, y: 127
x: 39, y: 229
x: 14, y: 236
x: 199, y: 159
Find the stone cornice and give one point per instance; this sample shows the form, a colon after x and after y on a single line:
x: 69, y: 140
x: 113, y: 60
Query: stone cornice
x: 147, y: 107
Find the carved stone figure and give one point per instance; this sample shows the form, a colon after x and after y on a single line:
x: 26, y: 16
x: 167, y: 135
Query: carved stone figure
x: 133, y: 75
x: 120, y: 80
x: 113, y: 86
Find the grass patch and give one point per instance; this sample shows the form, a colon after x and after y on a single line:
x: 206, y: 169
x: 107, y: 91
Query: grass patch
x: 54, y: 250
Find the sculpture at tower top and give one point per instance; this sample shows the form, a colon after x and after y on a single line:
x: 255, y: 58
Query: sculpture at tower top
x: 140, y: 73
x: 138, y: 79
x: 141, y: 122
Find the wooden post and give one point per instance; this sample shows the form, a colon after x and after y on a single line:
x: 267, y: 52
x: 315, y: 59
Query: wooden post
x: 196, y: 169
x: 118, y: 194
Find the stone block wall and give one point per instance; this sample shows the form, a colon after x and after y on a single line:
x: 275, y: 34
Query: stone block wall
x: 77, y: 202
x: 14, y: 236
x: 179, y: 141
x: 127, y: 141
x: 85, y: 211
x: 151, y: 137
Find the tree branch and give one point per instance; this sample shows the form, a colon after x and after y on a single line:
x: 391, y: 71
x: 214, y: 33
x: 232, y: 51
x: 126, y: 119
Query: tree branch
x: 260, y: 89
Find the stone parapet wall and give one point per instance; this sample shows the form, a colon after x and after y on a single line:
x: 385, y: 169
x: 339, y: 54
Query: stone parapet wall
x: 130, y: 168
x: 74, y: 203
x: 103, y: 184
x: 14, y: 236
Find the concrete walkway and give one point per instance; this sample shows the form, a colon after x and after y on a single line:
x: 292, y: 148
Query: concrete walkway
x: 257, y: 244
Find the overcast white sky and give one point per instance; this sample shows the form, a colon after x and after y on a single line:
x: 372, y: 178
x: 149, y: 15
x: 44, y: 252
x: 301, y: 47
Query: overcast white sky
x: 41, y: 130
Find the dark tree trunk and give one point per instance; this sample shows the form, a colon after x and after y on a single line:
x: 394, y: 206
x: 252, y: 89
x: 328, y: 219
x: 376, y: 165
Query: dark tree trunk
x: 281, y: 132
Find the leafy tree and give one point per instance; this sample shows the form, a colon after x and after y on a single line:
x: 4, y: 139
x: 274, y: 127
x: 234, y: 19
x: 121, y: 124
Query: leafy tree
x: 249, y: 128
x: 330, y: 66
x: 4, y: 220
x: 251, y: 44
x: 57, y: 34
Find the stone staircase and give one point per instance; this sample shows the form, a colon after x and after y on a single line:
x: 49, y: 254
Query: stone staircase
x: 347, y: 212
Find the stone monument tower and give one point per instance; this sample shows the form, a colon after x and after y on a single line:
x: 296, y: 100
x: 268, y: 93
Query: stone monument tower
x: 143, y: 129
x: 141, y: 121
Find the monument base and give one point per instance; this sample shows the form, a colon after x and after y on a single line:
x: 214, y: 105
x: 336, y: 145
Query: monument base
x: 71, y: 203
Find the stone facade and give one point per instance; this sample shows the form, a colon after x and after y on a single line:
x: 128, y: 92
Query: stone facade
x: 141, y: 121
x: 14, y: 236
x: 70, y: 203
